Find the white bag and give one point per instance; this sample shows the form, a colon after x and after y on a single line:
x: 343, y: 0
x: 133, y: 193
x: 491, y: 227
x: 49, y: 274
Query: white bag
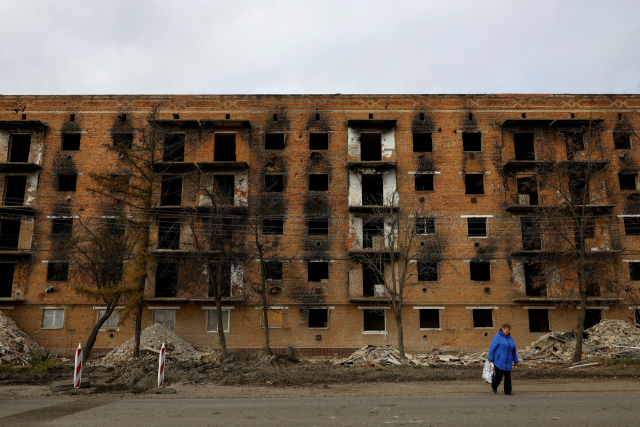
x: 487, y: 372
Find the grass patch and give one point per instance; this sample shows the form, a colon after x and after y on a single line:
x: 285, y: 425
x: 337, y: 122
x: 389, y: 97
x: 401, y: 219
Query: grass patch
x: 621, y: 361
x: 40, y: 362
x: 6, y: 369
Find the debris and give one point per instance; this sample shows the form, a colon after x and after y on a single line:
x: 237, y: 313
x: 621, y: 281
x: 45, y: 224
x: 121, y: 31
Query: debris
x: 386, y: 355
x: 15, y: 345
x: 584, y: 364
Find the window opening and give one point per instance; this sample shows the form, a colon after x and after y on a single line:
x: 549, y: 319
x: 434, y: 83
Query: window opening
x: 174, y: 147
x: 528, y: 186
x: 166, y: 318
x: 591, y: 281
x: 318, y: 318
x: 275, y: 117
x: 61, y: 226
x: 318, y: 226
x: 15, y: 186
x: 171, y: 191
x: 225, y: 280
x: 372, y: 279
x: 574, y: 143
x: 524, y: 146
x: 578, y: 188
x: 592, y: 318
x: 176, y: 116
x: 274, y: 316
x: 534, y: 280
x: 273, y: 270
x: 167, y: 280
x: 634, y: 270
x: 427, y: 271
x: 632, y: 226
x: 421, y: 116
x: 621, y: 140
x: 588, y: 229
x: 317, y: 117
x: 123, y: 140
x: 19, y: 148
x: 372, y: 190
x: 52, y: 318
x: 374, y: 320
x: 6, y: 279
x: 317, y: 271
x: 225, y: 147
x: 71, y: 141
x: 539, y: 320
x: 72, y: 118
x: 274, y: 183
x: 370, y: 147
x: 372, y: 231
x: 169, y: 233
x: 474, y: 183
x: 212, y: 320
x: 425, y: 225
x: 227, y: 116
x: 429, y: 318
x: 318, y: 141
x: 222, y: 228
x: 477, y: 227
x: 111, y: 322
x: 471, y: 141
x: 67, y: 182
x: 274, y: 141
x: 482, y: 318
x: 627, y: 181
x: 480, y: 271
x: 57, y: 271
x: 318, y: 182
x: 470, y: 116
x: 274, y: 226
x: 123, y: 117
x: 370, y: 116
x: 9, y: 234
x: 531, y: 234
x: 224, y: 188
x: 422, y: 143
x: 424, y: 182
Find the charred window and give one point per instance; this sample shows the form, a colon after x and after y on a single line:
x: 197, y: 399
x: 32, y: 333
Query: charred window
x: 225, y: 279
x: 632, y: 226
x: 123, y: 141
x: 574, y: 143
x: 579, y: 188
x: 317, y: 271
x: 482, y: 318
x: 318, y: 318
x: 116, y: 226
x: 274, y: 141
x: 370, y: 147
x: 71, y: 141
x: 534, y: 279
x: 14, y: 189
x: 627, y: 181
x: 429, y: 318
x: 173, y: 147
x: 6, y: 279
x: 319, y: 182
x: 425, y: 225
x: 224, y: 188
x: 61, y: 226
x: 524, y: 146
x: 169, y: 233
x: 539, y: 320
x: 527, y: 187
x: 167, y: 280
x: 427, y: 271
x: 531, y: 234
x: 318, y: 226
x: 477, y: 227
x: 57, y: 271
x: 372, y: 279
x: 471, y: 141
x: 372, y: 190
x: 171, y: 190
x: 474, y: 183
x: 20, y: 145
x: 273, y: 270
x: 622, y: 140
x: 225, y: 147
x: 634, y: 270
x: 591, y: 280
x: 9, y: 234
x: 424, y: 182
x: 592, y: 318
x: 480, y: 271
x: 67, y: 182
x: 372, y: 233
x: 318, y: 141
x: 422, y: 143
x: 274, y: 183
x: 585, y: 228
x: 374, y: 320
x: 273, y: 226
x: 222, y: 228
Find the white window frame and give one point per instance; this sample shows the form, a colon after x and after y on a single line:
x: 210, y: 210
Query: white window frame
x: 165, y: 316
x: 486, y: 217
x: 493, y: 321
x: 213, y: 310
x: 423, y: 217
x: 44, y: 317
x: 105, y: 325
x: 383, y: 332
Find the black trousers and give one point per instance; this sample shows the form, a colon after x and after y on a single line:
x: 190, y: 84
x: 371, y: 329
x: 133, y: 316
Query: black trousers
x: 497, y: 378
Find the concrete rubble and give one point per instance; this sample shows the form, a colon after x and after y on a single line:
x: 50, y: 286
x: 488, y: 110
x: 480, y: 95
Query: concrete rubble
x: 15, y: 345
x: 386, y: 355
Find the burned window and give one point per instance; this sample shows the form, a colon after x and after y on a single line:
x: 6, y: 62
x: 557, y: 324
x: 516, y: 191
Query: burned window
x: 123, y: 141
x: 429, y: 318
x: 224, y: 277
x: 319, y: 182
x: 370, y: 147
x: 372, y: 279
x: 116, y: 226
x: 574, y: 143
x: 534, y: 279
x: 274, y: 141
x: 318, y: 318
x: 627, y: 181
x: 61, y: 226
x: 171, y: 190
x: 480, y: 271
x: 274, y: 183
x: 9, y: 234
x: 372, y: 231
x: 427, y: 271
x: 374, y: 320
x: 14, y: 189
x: 591, y: 279
x: 71, y: 141
x: 225, y: 147
x: 477, y: 227
x: 273, y: 270
x: 422, y: 143
x: 424, y: 182
x: 372, y: 190
x: 67, y: 182
x: 579, y: 188
x: 173, y: 147
x: 169, y: 233
x: 632, y: 226
x: 471, y: 141
x: 539, y: 320
x: 317, y: 271
x: 222, y: 228
x: 57, y: 271
x: 634, y: 270
x: 592, y: 318
x: 622, y: 140
x: 474, y: 183
x: 318, y: 141
x: 531, y: 234
x: 482, y: 318
x: 584, y: 227
x: 167, y: 279
x: 20, y: 145
x: 318, y: 226
x: 524, y: 146
x: 425, y: 225
x: 224, y: 188
x: 527, y: 191
x: 6, y: 279
x: 274, y: 226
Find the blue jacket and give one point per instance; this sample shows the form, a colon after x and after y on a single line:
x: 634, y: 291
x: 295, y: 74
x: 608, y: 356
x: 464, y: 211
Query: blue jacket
x: 503, y: 351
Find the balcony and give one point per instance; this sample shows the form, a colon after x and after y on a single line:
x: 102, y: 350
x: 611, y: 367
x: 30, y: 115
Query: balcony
x: 526, y: 164
x: 371, y: 164
x: 225, y: 124
x: 223, y: 165
x: 528, y: 123
x: 22, y: 124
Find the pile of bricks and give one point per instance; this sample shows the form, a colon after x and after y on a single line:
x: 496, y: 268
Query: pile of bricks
x: 15, y: 345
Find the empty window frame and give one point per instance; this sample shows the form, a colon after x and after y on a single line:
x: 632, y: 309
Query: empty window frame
x: 6, y: 279
x: 483, y: 318
x: 370, y: 147
x: 627, y: 181
x: 374, y: 320
x: 424, y: 182
x: 14, y: 189
x: 318, y: 141
x: 474, y: 183
x: 273, y: 226
x: 632, y: 226
x: 531, y: 234
x: 634, y: 271
x: 318, y: 226
x: 318, y: 182
x: 71, y: 141
x: 480, y: 271
x: 539, y: 320
x: 67, y: 182
x: 274, y: 183
x: 123, y: 141
x: 111, y: 322
x: 477, y: 227
x: 317, y: 271
x: 166, y: 318
x: 274, y: 141
x: 534, y: 279
x: 19, y: 148
x: 574, y: 143
x: 273, y: 270
x: 372, y: 279
x: 372, y: 190
x: 225, y: 279
x: 224, y: 189
x: 9, y: 234
x: 372, y: 231
x: 274, y: 317
x: 222, y: 228
x: 167, y: 279
x: 622, y: 140
x: 425, y: 225
x: 57, y: 271
x: 427, y: 271
x: 225, y: 147
x: 422, y: 143
x: 524, y: 146
x: 471, y: 141
x: 53, y: 318
x: 579, y: 188
x: 527, y: 185
x: 173, y: 147
x: 318, y: 318
x: 171, y: 190
x: 212, y: 320
x: 61, y: 226
x: 584, y: 227
x: 169, y: 233
x: 593, y: 317
x: 429, y: 318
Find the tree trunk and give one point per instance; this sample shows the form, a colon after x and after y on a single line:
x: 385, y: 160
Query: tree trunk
x: 145, y: 266
x: 91, y: 340
x: 398, y: 318
x: 223, y: 340
x: 577, y: 354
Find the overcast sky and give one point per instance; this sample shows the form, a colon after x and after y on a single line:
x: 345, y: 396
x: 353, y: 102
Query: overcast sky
x: 238, y: 47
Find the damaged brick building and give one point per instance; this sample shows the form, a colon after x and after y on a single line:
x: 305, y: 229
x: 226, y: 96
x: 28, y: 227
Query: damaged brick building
x: 471, y: 168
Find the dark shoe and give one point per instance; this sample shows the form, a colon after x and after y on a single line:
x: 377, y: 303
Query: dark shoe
x: 508, y: 394
x: 495, y: 390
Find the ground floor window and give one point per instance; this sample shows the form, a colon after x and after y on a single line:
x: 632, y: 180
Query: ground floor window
x: 274, y: 316
x: 539, y: 320
x: 637, y: 318
x: 166, y: 318
x: 52, y: 318
x: 374, y: 320
x: 318, y: 318
x: 212, y: 320
x: 593, y: 317
x: 429, y: 318
x: 112, y: 321
x: 6, y: 279
x: 482, y: 318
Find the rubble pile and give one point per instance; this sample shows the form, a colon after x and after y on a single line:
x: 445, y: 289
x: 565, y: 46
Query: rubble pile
x: 15, y: 345
x: 386, y: 355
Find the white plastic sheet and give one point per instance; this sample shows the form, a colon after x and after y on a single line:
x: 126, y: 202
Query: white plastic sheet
x: 487, y: 372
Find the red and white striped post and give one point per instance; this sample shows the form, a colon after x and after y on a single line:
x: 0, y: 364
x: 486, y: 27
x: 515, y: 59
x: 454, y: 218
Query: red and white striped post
x: 77, y: 371
x: 161, y: 366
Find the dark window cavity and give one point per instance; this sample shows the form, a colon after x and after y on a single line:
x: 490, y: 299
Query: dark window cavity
x: 370, y: 147
x: 480, y: 271
x: 167, y: 280
x: 274, y: 183
x: 534, y: 279
x: 424, y: 182
x: 427, y: 271
x: 632, y: 226
x: 592, y: 318
x: 579, y: 188
x: 539, y: 320
x: 318, y: 141
x: 627, y: 181
x: 373, y: 320
x: 9, y: 234
x: 273, y: 270
x: 274, y: 226
x: 372, y: 190
x: 634, y: 270
x: 123, y: 140
x: 477, y: 227
x: 57, y: 271
x: 425, y: 225
x: 528, y: 187
x: 71, y: 141
x: 318, y: 226
x: 274, y: 141
x: 422, y: 143
x: 14, y: 188
x: 482, y: 318
x: 372, y: 230
x: 174, y: 147
x: 474, y: 183
x: 224, y: 188
x: 524, y: 146
x: 225, y: 281
x: 20, y: 145
x: 371, y: 277
x: 67, y: 182
x: 171, y: 191
x: 574, y: 143
x: 61, y: 226
x: 318, y: 182
x: 317, y: 271
x: 225, y: 147
x: 621, y: 140
x: 429, y: 318
x: 318, y: 318
x: 169, y: 233
x: 471, y: 141
x: 531, y: 235
x: 6, y: 279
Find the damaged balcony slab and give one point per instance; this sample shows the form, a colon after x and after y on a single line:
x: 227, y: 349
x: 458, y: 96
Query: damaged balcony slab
x: 173, y: 167
x: 179, y: 123
x: 606, y: 300
x: 191, y: 299
x: 371, y: 164
x: 531, y: 123
x: 222, y: 165
x: 594, y: 209
x: 525, y: 164
x: 367, y: 253
x: 372, y: 124
x: 22, y: 124
x: 12, y: 167
x: 561, y: 254
x: 228, y: 124
x: 172, y: 210
x: 19, y: 254
x: 575, y: 122
x: 17, y: 211
x: 373, y: 208
x: 11, y: 299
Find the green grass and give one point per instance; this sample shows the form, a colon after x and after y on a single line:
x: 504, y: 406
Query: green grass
x: 6, y: 369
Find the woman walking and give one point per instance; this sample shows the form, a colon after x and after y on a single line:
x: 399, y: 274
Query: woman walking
x: 502, y: 354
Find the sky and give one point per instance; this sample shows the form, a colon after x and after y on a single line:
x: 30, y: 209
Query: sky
x: 318, y: 47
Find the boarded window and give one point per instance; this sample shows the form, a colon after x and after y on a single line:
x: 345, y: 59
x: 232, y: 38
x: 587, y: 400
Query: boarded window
x: 111, y: 322
x: 317, y: 271
x: 67, y: 182
x: 482, y: 318
x: 174, y: 147
x: 429, y: 318
x: 318, y: 182
x: 273, y: 270
x: 427, y: 271
x: 318, y: 318
x: 166, y: 318
x: 374, y: 320
x: 480, y: 271
x: 167, y: 279
x: 212, y: 320
x: 539, y: 320
x: 471, y: 141
x: 274, y: 317
x: 425, y: 225
x: 477, y: 227
x: 61, y: 226
x: 424, y: 182
x: 370, y: 147
x: 318, y: 141
x: 20, y: 145
x: 274, y: 141
x: 52, y: 318
x: 627, y: 181
x: 6, y: 279
x: 225, y: 147
x: 632, y: 226
x: 14, y: 189
x: 169, y: 233
x: 273, y: 226
x: 318, y: 226
x: 422, y: 143
x: 9, y: 234
x: 524, y: 146
x: 474, y: 183
x: 622, y: 140
x: 171, y: 191
x: 274, y: 183
x: 71, y: 141
x: 57, y: 271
